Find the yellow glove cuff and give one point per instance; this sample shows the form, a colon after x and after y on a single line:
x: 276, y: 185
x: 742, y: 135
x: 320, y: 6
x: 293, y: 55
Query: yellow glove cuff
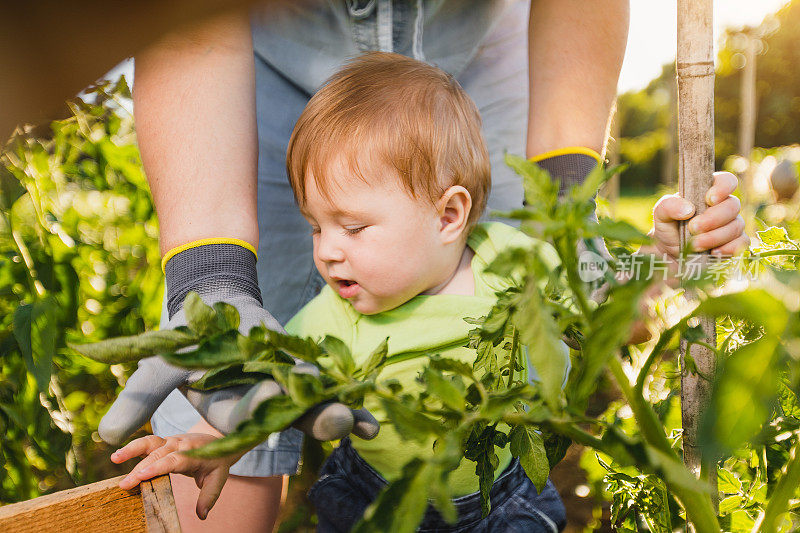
x: 569, y: 150
x: 200, y: 242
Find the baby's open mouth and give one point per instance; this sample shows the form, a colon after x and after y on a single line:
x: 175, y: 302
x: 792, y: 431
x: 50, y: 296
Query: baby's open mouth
x: 346, y: 288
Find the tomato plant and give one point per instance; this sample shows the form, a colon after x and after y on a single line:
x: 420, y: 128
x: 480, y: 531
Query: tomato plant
x: 749, y: 430
x: 78, y: 260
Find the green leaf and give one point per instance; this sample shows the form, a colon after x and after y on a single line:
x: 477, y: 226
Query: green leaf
x: 541, y: 190
x: 589, y: 187
x: 305, y: 349
x: 228, y: 376
x: 773, y: 236
x: 272, y: 415
x: 236, y: 442
x: 306, y: 390
x: 755, y: 305
x: 547, y: 355
x: 485, y: 466
x: 610, y: 326
x: 727, y: 482
x: 228, y: 317
x: 276, y: 414
x: 375, y: 360
x: 401, y: 506
x: 726, y: 505
x: 201, y: 318
x: 673, y: 471
x: 340, y: 353
x: 528, y: 446
x: 444, y: 389
x: 221, y: 350
x: 502, y: 402
x: 35, y: 330
x: 744, y: 395
x: 444, y: 364
x: 480, y: 449
x: 442, y: 497
x: 409, y: 423
x: 556, y: 447
x: 135, y: 347
x: 619, y: 230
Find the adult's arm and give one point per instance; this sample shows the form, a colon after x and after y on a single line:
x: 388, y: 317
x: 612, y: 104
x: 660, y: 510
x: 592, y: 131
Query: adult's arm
x: 576, y: 49
x: 44, y: 61
x: 194, y: 105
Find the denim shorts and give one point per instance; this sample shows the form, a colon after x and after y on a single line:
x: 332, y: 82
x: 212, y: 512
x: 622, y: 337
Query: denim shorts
x: 348, y: 484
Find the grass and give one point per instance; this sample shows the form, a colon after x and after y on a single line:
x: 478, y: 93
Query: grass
x: 635, y: 209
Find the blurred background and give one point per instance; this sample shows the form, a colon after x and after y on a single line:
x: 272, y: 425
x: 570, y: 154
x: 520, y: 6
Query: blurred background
x: 79, y: 257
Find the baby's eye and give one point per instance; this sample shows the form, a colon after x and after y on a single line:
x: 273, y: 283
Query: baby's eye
x: 353, y: 231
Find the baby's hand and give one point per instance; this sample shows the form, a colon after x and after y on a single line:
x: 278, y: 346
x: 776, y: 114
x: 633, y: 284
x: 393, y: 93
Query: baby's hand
x: 720, y: 228
x: 163, y: 456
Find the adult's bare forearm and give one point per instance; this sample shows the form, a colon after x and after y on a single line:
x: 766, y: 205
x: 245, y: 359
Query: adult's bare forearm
x: 194, y: 105
x: 576, y: 49
x: 50, y: 49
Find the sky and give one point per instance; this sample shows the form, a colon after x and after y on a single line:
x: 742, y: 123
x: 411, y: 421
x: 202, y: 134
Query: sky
x: 652, y: 36
x: 653, y: 33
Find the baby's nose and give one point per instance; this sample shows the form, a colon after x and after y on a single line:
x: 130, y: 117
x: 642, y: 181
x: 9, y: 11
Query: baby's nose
x: 329, y: 251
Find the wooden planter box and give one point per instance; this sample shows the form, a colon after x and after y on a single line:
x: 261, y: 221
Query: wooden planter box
x: 99, y: 507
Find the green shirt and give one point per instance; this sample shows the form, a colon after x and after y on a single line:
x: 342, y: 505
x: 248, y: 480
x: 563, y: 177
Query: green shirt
x: 426, y: 324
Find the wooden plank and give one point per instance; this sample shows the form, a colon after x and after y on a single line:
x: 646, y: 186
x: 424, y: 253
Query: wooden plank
x: 160, y: 513
x: 100, y: 507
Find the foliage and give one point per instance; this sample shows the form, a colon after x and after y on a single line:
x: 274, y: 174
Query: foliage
x: 78, y: 260
x: 471, y: 410
x: 646, y: 120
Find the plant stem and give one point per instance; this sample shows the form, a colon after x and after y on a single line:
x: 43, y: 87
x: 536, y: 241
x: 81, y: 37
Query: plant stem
x: 784, y: 490
x: 648, y: 421
x: 513, y: 356
x: 665, y: 338
x: 773, y: 253
x: 697, y: 505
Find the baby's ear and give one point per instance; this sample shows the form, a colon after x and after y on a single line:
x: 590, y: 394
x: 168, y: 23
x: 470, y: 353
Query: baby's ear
x: 453, y: 209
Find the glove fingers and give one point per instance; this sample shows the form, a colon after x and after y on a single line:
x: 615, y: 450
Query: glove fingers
x: 303, y: 367
x: 365, y: 425
x: 327, y: 421
x: 244, y: 408
x: 216, y: 406
x: 143, y: 393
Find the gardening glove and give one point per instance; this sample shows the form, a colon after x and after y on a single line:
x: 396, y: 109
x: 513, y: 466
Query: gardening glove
x: 571, y: 166
x: 219, y: 270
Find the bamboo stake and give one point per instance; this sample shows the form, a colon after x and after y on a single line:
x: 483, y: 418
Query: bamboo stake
x: 695, y: 70
x: 747, y: 117
x: 668, y: 167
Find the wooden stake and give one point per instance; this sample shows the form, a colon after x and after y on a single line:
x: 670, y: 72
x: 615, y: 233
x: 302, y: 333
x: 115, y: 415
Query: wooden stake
x: 668, y: 166
x: 747, y: 117
x: 695, y: 70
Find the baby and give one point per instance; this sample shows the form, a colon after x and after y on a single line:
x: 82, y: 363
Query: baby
x: 389, y: 167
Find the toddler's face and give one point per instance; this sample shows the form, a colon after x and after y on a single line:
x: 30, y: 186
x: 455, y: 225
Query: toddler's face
x: 374, y: 244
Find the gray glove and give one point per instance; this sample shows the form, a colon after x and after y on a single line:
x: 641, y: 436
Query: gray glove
x: 218, y: 272
x: 572, y: 169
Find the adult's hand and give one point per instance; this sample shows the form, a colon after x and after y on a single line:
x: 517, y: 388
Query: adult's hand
x: 218, y: 272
